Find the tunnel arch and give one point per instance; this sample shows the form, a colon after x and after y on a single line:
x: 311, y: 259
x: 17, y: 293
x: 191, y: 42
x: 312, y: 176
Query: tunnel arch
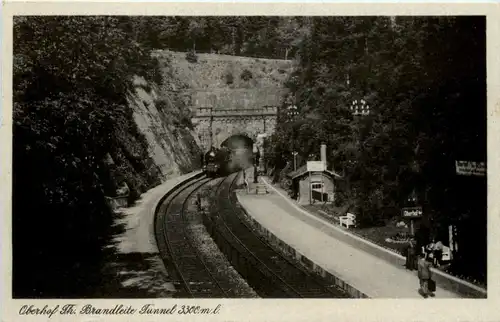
x: 238, y: 141
x: 214, y: 125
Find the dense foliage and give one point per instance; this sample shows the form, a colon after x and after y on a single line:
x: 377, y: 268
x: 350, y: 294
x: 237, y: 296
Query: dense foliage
x: 71, y: 118
x: 254, y: 36
x: 424, y: 81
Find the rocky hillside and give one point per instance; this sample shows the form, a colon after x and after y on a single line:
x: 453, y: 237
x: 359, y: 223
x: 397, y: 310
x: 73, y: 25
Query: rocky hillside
x: 172, y: 143
x: 228, y: 82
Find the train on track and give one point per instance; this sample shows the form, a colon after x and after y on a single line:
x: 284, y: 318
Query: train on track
x: 216, y: 162
x: 224, y: 161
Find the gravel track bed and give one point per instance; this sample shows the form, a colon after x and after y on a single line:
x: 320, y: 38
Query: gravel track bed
x: 213, y: 257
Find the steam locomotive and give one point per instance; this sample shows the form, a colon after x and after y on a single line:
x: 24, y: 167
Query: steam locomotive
x: 217, y: 162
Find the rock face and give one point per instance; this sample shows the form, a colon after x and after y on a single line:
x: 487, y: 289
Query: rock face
x: 230, y: 82
x: 154, y: 142
x: 172, y: 145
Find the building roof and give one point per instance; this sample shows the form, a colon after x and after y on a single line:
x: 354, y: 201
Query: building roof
x: 303, y: 170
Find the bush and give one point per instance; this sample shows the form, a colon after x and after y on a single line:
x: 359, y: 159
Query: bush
x: 191, y: 57
x: 246, y: 75
x: 229, y: 78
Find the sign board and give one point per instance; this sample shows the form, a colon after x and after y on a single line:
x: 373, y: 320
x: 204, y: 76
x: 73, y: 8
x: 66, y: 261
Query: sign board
x: 470, y: 168
x: 412, y: 212
x: 315, y: 166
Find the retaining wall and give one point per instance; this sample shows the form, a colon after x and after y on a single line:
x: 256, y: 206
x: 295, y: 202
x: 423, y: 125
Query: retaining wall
x: 288, y: 250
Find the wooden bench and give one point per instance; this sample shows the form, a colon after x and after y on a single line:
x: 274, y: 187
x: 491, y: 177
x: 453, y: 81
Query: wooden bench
x: 446, y: 255
x: 348, y: 220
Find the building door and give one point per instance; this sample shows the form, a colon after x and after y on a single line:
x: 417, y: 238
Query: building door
x: 317, y: 191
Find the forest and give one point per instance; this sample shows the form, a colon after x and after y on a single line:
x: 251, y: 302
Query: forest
x: 424, y: 79
x: 250, y: 36
x: 71, y: 79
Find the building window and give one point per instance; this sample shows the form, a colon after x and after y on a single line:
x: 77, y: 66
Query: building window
x: 317, y: 185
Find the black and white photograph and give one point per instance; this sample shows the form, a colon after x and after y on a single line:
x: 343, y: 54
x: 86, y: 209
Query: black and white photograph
x: 248, y: 157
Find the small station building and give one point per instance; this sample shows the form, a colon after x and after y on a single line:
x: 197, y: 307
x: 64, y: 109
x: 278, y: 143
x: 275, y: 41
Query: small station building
x: 311, y: 187
x: 313, y: 182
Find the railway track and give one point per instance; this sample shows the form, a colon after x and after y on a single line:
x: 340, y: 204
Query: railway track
x: 271, y: 274
x: 194, y: 277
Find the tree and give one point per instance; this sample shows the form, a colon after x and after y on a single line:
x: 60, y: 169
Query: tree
x: 196, y: 30
x: 71, y: 80
x: 420, y: 76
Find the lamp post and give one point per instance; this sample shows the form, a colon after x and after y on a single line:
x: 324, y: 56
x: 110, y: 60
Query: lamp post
x: 294, y: 160
x: 360, y: 108
x: 292, y: 112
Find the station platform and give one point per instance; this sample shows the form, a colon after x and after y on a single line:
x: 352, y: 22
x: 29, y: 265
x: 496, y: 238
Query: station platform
x: 368, y: 274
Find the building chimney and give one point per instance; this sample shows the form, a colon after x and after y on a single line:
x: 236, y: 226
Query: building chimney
x: 323, y: 153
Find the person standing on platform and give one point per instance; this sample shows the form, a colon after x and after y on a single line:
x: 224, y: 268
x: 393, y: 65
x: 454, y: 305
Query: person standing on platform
x: 424, y: 275
x: 438, y: 253
x: 410, y: 255
x: 430, y: 246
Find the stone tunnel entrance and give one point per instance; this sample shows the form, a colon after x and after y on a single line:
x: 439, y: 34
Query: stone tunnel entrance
x: 215, y: 126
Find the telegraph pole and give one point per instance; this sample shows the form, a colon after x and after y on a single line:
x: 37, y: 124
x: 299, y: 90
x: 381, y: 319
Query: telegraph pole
x: 264, y: 109
x: 292, y: 113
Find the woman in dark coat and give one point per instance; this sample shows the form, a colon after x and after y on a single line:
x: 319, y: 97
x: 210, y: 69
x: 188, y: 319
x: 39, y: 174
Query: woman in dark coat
x: 410, y: 255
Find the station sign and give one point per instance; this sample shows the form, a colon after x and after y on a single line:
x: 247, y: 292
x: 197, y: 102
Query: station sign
x: 412, y: 212
x: 315, y: 166
x: 470, y: 168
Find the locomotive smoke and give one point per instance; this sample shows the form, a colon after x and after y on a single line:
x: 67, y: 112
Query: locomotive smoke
x: 241, y: 155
